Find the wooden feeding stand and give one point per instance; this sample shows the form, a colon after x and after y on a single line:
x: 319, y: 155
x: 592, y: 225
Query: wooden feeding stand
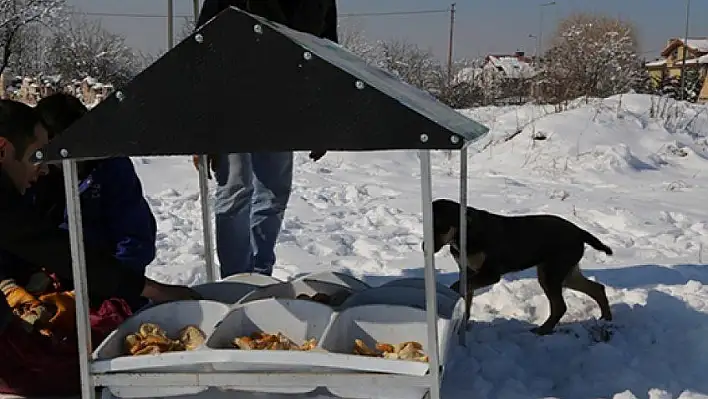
x: 244, y: 84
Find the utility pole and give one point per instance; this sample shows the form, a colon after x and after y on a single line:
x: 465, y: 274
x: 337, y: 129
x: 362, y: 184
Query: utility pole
x: 685, y: 52
x: 535, y: 51
x: 449, y: 45
x: 170, y: 24
x: 195, y: 5
x: 540, y: 27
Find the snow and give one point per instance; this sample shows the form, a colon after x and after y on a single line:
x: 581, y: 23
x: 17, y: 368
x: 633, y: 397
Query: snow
x: 512, y: 67
x: 698, y: 44
x: 90, y: 81
x: 656, y: 63
x: 468, y: 74
x: 637, y: 182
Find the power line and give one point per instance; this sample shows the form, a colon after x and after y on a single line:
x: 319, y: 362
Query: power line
x: 378, y: 14
x: 342, y: 15
x: 126, y: 15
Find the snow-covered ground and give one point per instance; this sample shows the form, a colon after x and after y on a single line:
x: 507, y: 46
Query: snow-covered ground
x: 639, y: 183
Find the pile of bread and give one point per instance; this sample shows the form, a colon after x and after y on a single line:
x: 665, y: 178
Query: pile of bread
x: 410, y: 350
x: 273, y: 342
x: 151, y: 339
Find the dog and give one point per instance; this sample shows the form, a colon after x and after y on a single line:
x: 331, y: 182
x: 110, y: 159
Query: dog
x: 498, y: 244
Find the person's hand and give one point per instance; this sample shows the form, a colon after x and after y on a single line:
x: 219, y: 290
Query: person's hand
x: 316, y: 155
x: 212, y: 162
x: 159, y: 292
x: 17, y: 297
x: 63, y: 306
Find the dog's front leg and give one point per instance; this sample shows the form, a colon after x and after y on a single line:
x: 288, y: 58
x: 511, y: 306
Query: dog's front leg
x: 484, y: 278
x: 481, y: 279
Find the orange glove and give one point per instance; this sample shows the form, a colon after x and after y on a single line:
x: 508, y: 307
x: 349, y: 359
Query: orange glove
x: 64, y: 304
x: 25, y: 305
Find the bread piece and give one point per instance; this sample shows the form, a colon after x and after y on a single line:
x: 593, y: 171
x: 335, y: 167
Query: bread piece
x: 244, y: 343
x: 151, y: 329
x: 148, y: 350
x: 191, y: 337
x: 360, y: 348
x: 384, y: 347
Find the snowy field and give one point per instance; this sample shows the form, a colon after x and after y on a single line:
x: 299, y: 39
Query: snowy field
x: 638, y: 182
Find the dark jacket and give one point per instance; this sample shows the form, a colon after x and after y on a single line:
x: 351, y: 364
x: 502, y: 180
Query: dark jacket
x: 115, y: 215
x: 5, y: 313
x: 316, y: 17
x: 36, y: 242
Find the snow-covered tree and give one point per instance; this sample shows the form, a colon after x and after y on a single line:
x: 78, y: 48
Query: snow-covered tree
x: 593, y: 55
x: 670, y: 86
x: 461, y: 88
x: 16, y: 16
x: 491, y: 84
x: 83, y: 48
x: 352, y: 38
x: 415, y: 66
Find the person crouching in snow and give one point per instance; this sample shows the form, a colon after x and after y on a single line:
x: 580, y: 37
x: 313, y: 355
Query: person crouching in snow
x: 37, y: 336
x: 114, y: 212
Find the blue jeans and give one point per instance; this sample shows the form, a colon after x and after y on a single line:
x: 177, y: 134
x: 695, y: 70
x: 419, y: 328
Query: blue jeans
x: 252, y: 193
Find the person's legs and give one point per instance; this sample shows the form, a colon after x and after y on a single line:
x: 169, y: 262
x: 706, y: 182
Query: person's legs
x: 273, y: 181
x: 234, y: 190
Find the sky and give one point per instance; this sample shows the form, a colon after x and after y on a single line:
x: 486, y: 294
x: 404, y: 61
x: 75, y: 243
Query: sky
x: 481, y: 26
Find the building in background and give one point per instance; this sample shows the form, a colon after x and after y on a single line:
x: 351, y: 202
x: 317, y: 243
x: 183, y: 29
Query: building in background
x: 31, y: 89
x: 668, y: 67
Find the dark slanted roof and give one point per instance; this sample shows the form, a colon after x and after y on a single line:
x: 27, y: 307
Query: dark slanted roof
x: 244, y: 84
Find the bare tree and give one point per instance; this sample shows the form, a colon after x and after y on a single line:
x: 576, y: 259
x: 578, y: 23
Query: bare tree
x: 85, y: 49
x: 412, y: 64
x: 417, y: 67
x: 187, y: 28
x: 592, y: 55
x: 462, y: 88
x: 352, y: 38
x: 16, y: 15
x: 30, y: 52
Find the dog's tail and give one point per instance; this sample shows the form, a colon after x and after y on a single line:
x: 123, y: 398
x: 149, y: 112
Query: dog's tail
x: 596, y: 243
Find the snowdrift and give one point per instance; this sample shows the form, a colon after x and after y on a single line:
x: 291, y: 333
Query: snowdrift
x: 622, y: 134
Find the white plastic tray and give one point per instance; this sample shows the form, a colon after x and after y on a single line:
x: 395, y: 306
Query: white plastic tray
x: 228, y: 292
x: 417, y: 282
x: 291, y: 289
x: 396, y: 317
x: 298, y: 320
x: 338, y: 278
x: 390, y: 324
x: 403, y: 296
x: 110, y: 354
x: 256, y: 279
x: 214, y: 393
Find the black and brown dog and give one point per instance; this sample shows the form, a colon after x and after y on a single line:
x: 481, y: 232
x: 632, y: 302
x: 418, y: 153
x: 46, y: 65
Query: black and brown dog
x: 498, y: 244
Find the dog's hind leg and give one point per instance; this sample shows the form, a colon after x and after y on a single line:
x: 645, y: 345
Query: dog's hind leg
x: 552, y: 284
x: 576, y: 281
